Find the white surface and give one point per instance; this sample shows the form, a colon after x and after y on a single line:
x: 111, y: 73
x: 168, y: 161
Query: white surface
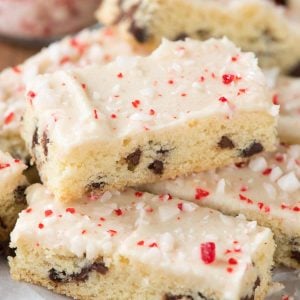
x: 11, y: 290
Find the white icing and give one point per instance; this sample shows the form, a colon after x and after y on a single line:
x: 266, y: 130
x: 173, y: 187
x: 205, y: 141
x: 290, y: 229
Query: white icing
x: 10, y: 173
x: 268, y: 185
x: 170, y: 245
x: 122, y: 108
x: 98, y: 47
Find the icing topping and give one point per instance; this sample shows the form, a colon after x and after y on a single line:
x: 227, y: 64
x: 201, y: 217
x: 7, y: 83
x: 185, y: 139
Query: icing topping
x: 10, y: 171
x: 133, y: 94
x: 269, y: 184
x: 163, y: 233
x: 98, y: 47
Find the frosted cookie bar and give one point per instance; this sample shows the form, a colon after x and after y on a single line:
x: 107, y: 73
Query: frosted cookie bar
x: 189, y: 106
x: 268, y: 28
x: 98, y: 47
x: 288, y: 96
x: 144, y: 246
x: 266, y: 189
x: 12, y: 198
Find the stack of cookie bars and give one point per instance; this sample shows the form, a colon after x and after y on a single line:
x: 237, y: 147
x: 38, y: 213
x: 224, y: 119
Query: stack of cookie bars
x: 155, y: 139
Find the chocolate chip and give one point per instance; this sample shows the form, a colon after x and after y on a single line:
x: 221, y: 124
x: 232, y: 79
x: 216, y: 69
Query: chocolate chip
x: 295, y: 72
x: 45, y: 142
x: 181, y: 36
x: 19, y: 194
x: 35, y: 138
x: 252, y: 149
x: 241, y: 164
x: 281, y: 2
x: 226, y: 143
x: 2, y: 224
x: 133, y: 159
x: 177, y: 297
x: 139, y: 33
x: 162, y: 151
x: 83, y: 275
x: 157, y: 167
x: 202, y: 297
x: 57, y: 276
x: 95, y: 185
x: 295, y: 255
x: 100, y: 268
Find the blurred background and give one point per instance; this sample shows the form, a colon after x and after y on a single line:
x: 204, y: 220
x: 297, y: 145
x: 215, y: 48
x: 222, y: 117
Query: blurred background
x: 28, y: 25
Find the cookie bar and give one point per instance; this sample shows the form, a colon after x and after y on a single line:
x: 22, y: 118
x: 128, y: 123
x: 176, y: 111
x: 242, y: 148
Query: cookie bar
x: 288, y: 96
x: 188, y: 106
x: 266, y: 189
x: 272, y: 29
x: 144, y: 246
x: 12, y: 198
x: 98, y: 47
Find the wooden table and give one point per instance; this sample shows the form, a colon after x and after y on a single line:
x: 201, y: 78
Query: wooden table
x: 11, y: 54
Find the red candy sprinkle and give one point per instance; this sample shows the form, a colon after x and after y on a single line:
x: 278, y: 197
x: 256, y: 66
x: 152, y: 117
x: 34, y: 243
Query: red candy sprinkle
x: 267, y: 171
x: 208, y: 252
x: 200, y: 194
x: 9, y: 118
x: 171, y: 82
x: 118, y: 212
x: 180, y: 206
x: 48, y: 212
x: 136, y: 103
x: 244, y: 198
x: 95, y: 114
x: 28, y: 210
x: 16, y: 69
x: 275, y: 100
x: 229, y: 270
x: 70, y: 210
x: 151, y: 112
x: 64, y: 60
x: 139, y: 194
x: 296, y: 208
x: 120, y: 75
x: 153, y: 245
x: 102, y: 219
x: 83, y: 85
x: 228, y: 78
x: 232, y: 261
x: 3, y: 166
x: 223, y: 99
x: 112, y: 232
x: 201, y: 78
x: 140, y: 243
x: 41, y: 226
x: 183, y: 94
x: 83, y: 231
x: 113, y: 116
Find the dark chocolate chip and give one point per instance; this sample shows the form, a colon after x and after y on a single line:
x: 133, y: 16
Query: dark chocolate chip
x: 44, y: 143
x: 133, y: 159
x: 139, y: 33
x: 95, y: 185
x: 35, y: 138
x: 252, y: 149
x: 181, y: 37
x: 100, y: 268
x: 19, y: 194
x: 157, y: 167
x: 163, y: 151
x: 83, y: 275
x: 295, y: 72
x: 202, y: 297
x: 2, y: 224
x: 177, y: 297
x: 281, y: 2
x: 226, y: 143
x: 295, y: 255
x: 57, y: 276
x: 241, y: 164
